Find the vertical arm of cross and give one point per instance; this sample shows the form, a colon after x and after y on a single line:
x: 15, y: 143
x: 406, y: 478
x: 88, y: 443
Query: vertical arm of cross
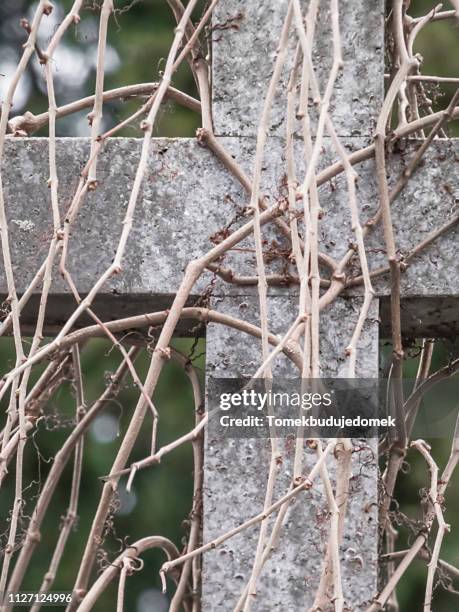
x: 236, y: 471
x: 236, y: 474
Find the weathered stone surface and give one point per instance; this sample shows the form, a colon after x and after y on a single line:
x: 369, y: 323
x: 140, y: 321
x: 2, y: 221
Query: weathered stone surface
x: 236, y: 473
x: 181, y: 205
x: 188, y: 196
x: 429, y: 200
x: 243, y: 60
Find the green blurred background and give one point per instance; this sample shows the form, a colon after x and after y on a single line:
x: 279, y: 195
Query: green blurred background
x: 161, y: 497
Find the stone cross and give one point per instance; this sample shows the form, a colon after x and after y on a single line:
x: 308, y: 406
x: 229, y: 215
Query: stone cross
x: 187, y: 196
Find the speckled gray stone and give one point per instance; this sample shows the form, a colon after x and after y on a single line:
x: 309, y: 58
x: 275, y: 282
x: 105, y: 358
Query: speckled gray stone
x: 236, y: 473
x: 185, y: 198
x: 188, y: 196
x: 243, y: 60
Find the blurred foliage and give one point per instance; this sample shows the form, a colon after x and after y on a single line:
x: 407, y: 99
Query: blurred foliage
x: 138, y: 43
x: 138, y: 46
x: 438, y: 44
x: 161, y: 496
x: 414, y: 481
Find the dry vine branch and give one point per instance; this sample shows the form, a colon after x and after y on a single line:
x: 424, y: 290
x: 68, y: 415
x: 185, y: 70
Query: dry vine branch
x: 297, y: 215
x: 28, y: 124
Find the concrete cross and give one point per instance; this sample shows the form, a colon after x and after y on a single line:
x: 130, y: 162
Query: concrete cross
x: 187, y: 196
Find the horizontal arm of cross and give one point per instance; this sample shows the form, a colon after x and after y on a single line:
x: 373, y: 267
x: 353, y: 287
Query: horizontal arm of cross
x: 187, y: 198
